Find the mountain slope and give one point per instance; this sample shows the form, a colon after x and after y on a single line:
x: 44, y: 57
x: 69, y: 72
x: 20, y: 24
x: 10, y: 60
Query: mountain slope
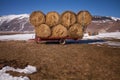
x: 104, y: 24
x: 20, y: 23
x: 15, y: 23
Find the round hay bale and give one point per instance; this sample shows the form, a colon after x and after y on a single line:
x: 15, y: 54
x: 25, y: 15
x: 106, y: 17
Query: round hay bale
x: 43, y: 31
x: 68, y: 18
x: 90, y: 33
x: 52, y: 18
x: 59, y: 31
x: 84, y: 18
x: 76, y: 31
x: 37, y: 18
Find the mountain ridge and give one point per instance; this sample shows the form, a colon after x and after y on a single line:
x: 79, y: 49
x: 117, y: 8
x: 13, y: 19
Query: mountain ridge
x: 21, y: 23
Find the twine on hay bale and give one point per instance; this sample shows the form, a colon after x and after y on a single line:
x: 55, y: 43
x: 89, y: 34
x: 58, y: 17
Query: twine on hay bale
x: 52, y: 19
x: 43, y: 31
x: 76, y: 31
x: 84, y: 18
x: 37, y: 18
x: 59, y: 31
x: 68, y: 18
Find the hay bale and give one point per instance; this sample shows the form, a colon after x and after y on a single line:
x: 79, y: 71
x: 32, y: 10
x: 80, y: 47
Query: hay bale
x: 37, y: 18
x: 84, y: 18
x: 43, y: 31
x: 52, y: 18
x: 68, y: 18
x: 92, y: 33
x: 76, y: 31
x: 59, y: 31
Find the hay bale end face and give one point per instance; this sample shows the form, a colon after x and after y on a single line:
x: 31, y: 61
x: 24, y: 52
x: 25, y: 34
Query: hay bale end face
x: 52, y: 19
x: 43, y: 31
x: 68, y: 18
x: 84, y: 18
x: 59, y: 31
x: 37, y: 18
x: 76, y: 31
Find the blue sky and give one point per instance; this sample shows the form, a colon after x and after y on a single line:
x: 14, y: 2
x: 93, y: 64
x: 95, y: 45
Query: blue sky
x: 95, y: 7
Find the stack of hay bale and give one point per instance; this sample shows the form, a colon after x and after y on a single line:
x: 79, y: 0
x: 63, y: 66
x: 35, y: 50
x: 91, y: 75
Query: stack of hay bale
x: 68, y: 24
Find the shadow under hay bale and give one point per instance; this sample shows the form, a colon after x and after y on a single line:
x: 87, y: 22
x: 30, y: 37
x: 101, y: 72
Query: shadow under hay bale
x: 84, y: 18
x: 52, y: 19
x: 43, y: 31
x: 83, y: 41
x: 76, y: 31
x: 59, y: 31
x: 68, y: 18
x: 37, y: 18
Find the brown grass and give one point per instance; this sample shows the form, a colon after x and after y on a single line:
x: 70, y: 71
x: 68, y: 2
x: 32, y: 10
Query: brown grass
x: 68, y: 18
x: 84, y: 18
x: 37, y: 18
x: 59, y: 31
x: 43, y: 31
x: 65, y: 62
x: 76, y: 31
x: 52, y: 19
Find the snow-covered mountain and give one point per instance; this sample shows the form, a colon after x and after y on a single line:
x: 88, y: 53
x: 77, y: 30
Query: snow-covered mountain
x: 105, y: 18
x: 104, y: 24
x: 15, y: 23
x: 21, y: 23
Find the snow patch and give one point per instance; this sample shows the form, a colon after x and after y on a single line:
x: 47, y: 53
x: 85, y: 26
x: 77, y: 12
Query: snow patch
x: 110, y: 43
x: 27, y: 70
x: 22, y: 26
x: 17, y: 37
x: 6, y: 76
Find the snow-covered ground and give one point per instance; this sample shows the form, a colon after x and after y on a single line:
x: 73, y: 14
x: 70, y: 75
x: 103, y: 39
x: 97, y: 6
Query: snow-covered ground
x: 17, y: 37
x: 112, y: 35
x: 110, y: 43
x: 6, y: 76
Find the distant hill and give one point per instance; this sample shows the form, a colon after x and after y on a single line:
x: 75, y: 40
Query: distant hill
x: 20, y: 23
x: 104, y: 24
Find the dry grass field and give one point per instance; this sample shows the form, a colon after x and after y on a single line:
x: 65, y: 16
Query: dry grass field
x: 62, y: 62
